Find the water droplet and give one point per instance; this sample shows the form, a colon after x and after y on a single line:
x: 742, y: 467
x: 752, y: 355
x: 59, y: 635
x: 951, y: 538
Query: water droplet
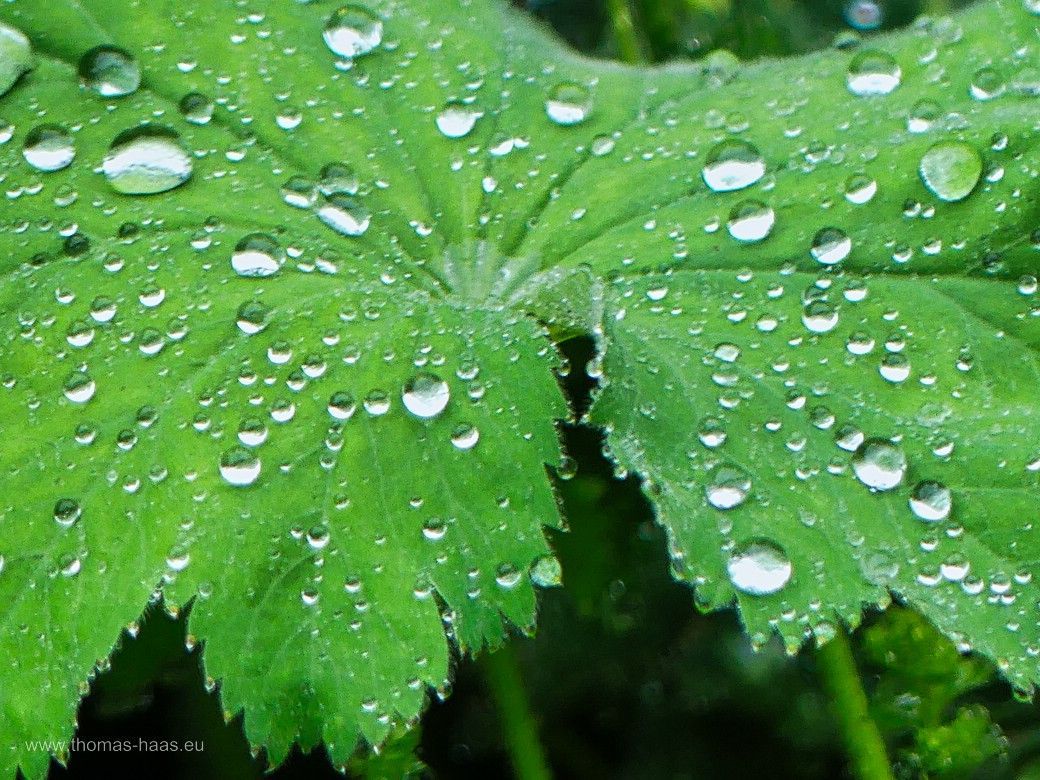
x: 425, y: 395
x: 931, y: 501
x: 546, y: 571
x: 196, y: 108
x: 873, y: 72
x: 728, y: 487
x: 733, y: 165
x: 923, y: 115
x: 49, y: 148
x: 986, y: 84
x: 342, y: 405
x: 299, y: 192
x: 338, y: 179
x: 951, y: 169
x: 258, y: 254
x: 239, y: 467
x: 507, y: 576
x: 465, y: 436
x: 352, y: 31
x: 860, y: 189
x: 66, y: 512
x: 377, y: 403
x: 759, y: 567
x: 830, y: 246
x: 79, y: 387
x: 252, y: 317
x: 110, y: 71
x: 602, y: 145
x: 15, y: 56
x: 879, y: 464
x: 345, y: 215
x: 146, y: 160
x: 751, y: 220
x: 457, y: 119
x: 568, y: 104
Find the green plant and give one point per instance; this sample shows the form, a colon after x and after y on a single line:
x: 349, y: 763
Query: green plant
x: 283, y: 290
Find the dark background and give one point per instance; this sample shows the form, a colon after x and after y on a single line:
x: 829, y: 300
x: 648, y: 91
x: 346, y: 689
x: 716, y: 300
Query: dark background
x: 625, y: 678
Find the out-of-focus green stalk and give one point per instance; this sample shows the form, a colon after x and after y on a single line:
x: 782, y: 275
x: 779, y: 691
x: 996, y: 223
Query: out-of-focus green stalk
x: 858, y: 730
x: 502, y: 674
x: 625, y: 35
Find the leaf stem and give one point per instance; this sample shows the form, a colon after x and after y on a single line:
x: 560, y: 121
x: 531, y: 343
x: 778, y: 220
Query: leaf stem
x: 519, y: 727
x: 841, y: 680
x: 629, y: 48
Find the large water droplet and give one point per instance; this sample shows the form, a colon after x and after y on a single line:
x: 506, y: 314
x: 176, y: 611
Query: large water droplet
x: 759, y: 567
x: 352, y: 31
x: 239, y: 467
x: 951, y: 169
x: 49, y: 148
x: 728, y: 487
x: 931, y: 501
x: 569, y: 103
x: 258, y: 254
x: 879, y: 464
x: 15, y: 56
x: 146, y: 160
x: 733, y: 165
x: 873, y: 72
x: 425, y: 395
x: 110, y: 71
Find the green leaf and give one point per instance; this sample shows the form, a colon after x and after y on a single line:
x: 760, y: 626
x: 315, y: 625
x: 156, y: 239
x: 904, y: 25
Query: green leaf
x: 199, y: 342
x: 847, y: 408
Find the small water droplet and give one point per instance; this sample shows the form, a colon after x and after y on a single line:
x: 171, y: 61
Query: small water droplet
x: 79, y: 387
x: 239, y: 467
x: 425, y: 395
x: 733, y: 165
x: 830, y: 246
x: 546, y: 571
x: 751, y: 220
x: 457, y: 119
x: 465, y: 436
x: 345, y: 215
x: 352, y: 31
x: 873, y: 72
x: 728, y: 487
x: 110, y: 71
x: 568, y: 104
x: 951, y: 169
x: 196, y: 108
x: 507, y: 576
x: 49, y: 148
x: 931, y: 501
x: 66, y: 512
x: 258, y: 254
x: 860, y: 189
x: 879, y: 464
